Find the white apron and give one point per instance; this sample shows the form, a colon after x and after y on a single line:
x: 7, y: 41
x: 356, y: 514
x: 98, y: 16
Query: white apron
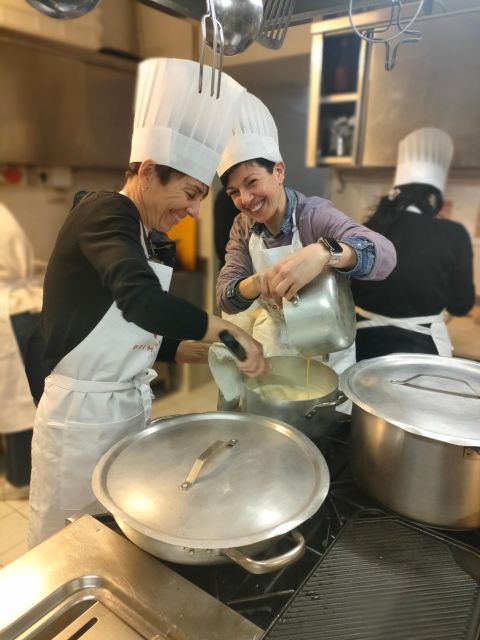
x: 437, y: 330
x: 270, y: 328
x: 97, y: 394
x: 17, y: 408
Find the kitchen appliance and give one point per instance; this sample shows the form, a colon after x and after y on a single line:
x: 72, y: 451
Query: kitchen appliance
x: 320, y: 319
x: 416, y: 435
x: 167, y: 484
x: 365, y: 572
x: 312, y: 416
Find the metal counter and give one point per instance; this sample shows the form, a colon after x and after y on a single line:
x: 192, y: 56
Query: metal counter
x: 88, y: 581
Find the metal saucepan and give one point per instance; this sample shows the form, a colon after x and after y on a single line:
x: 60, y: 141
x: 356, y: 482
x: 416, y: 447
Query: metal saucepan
x: 321, y: 317
x: 415, y: 443
x: 301, y: 392
x: 207, y: 487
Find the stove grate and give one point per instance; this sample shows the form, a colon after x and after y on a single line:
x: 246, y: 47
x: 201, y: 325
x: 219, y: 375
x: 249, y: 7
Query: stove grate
x: 383, y: 578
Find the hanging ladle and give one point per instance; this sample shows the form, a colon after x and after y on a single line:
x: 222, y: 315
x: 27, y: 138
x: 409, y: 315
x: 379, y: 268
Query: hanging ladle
x: 63, y: 9
x: 228, y: 28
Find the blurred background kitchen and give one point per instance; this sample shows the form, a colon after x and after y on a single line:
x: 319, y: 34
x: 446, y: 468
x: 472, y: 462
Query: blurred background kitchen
x: 66, y: 110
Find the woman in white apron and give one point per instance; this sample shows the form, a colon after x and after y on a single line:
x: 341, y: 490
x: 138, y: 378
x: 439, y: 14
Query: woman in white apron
x: 101, y: 344
x: 277, y: 245
x: 405, y: 313
x: 20, y: 304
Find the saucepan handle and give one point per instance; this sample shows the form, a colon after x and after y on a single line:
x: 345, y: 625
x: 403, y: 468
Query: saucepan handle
x: 330, y: 403
x: 270, y: 564
x: 232, y: 345
x: 208, y: 454
x: 408, y: 383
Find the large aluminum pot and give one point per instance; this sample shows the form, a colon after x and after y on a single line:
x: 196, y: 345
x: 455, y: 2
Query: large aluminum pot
x: 320, y: 319
x: 312, y: 416
x: 204, y: 488
x: 415, y: 443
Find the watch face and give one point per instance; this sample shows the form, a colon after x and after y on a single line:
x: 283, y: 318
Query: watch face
x: 332, y: 245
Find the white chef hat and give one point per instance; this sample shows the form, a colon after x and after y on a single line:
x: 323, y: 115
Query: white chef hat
x: 177, y: 126
x: 254, y: 135
x: 424, y: 157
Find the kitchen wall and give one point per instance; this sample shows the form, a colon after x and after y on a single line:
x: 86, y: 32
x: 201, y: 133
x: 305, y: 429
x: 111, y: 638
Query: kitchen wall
x: 41, y: 210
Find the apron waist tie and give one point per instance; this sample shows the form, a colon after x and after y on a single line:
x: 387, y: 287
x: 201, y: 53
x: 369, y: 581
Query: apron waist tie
x: 140, y: 381
x: 410, y: 324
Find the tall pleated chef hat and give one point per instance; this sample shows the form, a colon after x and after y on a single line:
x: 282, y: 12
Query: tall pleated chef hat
x: 254, y: 135
x: 177, y: 126
x: 424, y: 157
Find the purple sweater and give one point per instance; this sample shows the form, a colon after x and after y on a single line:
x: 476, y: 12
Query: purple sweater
x: 316, y: 218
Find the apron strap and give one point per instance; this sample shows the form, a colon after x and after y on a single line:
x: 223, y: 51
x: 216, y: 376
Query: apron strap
x: 410, y: 324
x: 95, y: 386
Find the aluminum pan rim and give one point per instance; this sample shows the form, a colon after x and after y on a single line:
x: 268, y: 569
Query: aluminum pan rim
x: 322, y: 485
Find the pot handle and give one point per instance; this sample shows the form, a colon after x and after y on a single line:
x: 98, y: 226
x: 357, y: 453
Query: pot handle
x: 202, y: 459
x: 407, y: 383
x: 331, y: 403
x: 270, y: 564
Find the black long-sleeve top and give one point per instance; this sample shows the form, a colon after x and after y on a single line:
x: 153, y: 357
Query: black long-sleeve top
x: 98, y: 258
x: 434, y: 270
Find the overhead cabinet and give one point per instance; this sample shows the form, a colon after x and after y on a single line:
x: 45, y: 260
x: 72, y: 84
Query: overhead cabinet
x: 435, y: 82
x: 64, y: 106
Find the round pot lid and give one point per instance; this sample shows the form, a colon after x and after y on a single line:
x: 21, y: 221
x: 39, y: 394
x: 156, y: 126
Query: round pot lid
x: 431, y: 396
x: 259, y: 478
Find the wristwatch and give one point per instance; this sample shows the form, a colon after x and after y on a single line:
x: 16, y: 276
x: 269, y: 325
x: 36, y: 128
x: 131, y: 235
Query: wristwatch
x: 333, y: 247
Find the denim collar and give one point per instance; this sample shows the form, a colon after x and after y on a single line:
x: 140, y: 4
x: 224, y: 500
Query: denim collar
x: 259, y: 229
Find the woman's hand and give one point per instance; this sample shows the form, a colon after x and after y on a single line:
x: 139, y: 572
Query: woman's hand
x: 292, y: 273
x: 192, y: 352
x: 258, y: 285
x: 254, y: 364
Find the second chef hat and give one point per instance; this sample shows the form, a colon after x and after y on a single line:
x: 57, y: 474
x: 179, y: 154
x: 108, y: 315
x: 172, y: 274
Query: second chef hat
x: 254, y: 135
x: 177, y: 126
x: 424, y: 157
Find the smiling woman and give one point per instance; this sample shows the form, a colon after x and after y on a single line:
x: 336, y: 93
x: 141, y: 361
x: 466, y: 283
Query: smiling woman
x: 107, y: 312
x: 282, y: 239
x: 165, y: 196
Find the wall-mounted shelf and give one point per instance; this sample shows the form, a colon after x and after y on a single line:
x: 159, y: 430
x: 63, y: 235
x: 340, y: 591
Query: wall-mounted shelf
x: 336, y: 85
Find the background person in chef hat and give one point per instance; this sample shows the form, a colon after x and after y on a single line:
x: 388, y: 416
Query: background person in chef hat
x: 20, y: 304
x: 404, y: 313
x: 106, y: 301
x: 275, y: 245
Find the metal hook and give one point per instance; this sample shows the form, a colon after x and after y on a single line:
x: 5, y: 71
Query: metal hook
x: 218, y: 48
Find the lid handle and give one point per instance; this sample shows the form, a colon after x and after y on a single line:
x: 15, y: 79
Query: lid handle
x: 199, y: 463
x: 270, y: 564
x: 407, y: 383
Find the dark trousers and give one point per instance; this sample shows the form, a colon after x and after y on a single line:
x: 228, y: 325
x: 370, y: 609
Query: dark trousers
x: 18, y: 456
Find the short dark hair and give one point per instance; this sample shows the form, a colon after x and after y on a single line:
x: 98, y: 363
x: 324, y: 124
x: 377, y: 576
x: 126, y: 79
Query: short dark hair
x: 164, y: 173
x: 263, y: 162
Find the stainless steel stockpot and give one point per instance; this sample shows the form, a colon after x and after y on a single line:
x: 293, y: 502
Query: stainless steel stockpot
x: 312, y: 417
x: 206, y: 487
x: 415, y: 443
